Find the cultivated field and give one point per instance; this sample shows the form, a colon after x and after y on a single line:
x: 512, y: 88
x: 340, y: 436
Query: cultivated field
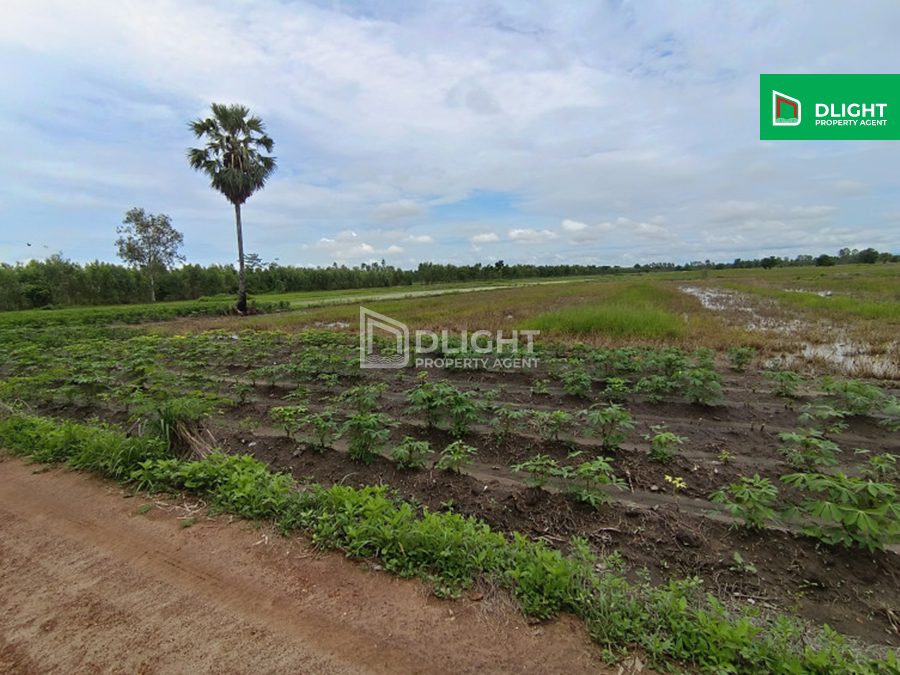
x: 734, y: 433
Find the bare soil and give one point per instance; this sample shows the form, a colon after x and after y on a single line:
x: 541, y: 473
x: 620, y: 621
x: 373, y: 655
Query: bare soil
x: 94, y: 583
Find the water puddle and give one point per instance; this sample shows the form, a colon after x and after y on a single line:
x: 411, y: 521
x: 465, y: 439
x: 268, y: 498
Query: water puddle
x: 765, y: 315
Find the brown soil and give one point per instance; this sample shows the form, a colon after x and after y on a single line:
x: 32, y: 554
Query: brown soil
x: 90, y: 584
x: 673, y: 536
x: 853, y: 591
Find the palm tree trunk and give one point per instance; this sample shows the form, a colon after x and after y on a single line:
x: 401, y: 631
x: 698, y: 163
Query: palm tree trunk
x: 242, y: 278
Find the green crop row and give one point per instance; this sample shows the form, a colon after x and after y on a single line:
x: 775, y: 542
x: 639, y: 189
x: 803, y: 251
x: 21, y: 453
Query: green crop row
x: 127, y: 313
x: 675, y: 623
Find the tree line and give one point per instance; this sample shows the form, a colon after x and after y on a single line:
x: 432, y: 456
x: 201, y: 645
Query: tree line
x: 57, y: 282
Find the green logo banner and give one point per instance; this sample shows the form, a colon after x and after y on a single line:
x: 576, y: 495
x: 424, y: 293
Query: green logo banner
x: 816, y: 107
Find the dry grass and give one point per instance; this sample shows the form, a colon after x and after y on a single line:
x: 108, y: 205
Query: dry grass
x: 787, y: 326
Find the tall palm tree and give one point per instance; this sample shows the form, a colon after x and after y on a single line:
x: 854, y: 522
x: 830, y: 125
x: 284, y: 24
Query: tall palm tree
x: 235, y: 164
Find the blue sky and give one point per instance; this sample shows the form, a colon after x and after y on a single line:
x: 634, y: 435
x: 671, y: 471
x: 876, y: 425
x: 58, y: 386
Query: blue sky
x: 464, y: 131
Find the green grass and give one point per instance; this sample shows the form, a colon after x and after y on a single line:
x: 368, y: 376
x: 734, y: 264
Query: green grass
x: 836, y: 304
x: 105, y: 315
x: 636, y: 311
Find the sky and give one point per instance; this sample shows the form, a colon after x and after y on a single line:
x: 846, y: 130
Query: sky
x: 461, y: 131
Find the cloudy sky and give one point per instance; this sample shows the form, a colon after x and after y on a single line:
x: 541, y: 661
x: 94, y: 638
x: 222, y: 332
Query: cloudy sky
x: 582, y: 131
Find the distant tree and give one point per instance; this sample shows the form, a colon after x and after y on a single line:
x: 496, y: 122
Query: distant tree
x: 770, y: 262
x: 148, y: 242
x: 233, y: 160
x: 253, y: 262
x: 868, y: 256
x: 824, y: 260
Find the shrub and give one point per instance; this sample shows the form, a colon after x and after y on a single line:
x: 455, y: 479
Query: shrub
x: 577, y: 383
x: 539, y: 468
x: 551, y: 425
x: 607, y: 424
x: 455, y: 456
x: 740, y: 357
x: 750, y: 499
x: 663, y: 444
x: 368, y: 434
x: 410, y: 454
x: 701, y: 385
x: 848, y: 511
x: 808, y: 449
x: 787, y: 382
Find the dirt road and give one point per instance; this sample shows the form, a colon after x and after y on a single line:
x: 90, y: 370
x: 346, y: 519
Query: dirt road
x: 91, y: 582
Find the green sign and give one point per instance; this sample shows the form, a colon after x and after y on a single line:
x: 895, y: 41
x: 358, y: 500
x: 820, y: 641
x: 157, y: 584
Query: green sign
x: 816, y: 107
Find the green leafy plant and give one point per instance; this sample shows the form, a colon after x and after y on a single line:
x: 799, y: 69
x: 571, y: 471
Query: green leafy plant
x: 823, y: 417
x: 740, y: 357
x: 455, y: 456
x: 551, y: 425
x: 363, y: 397
x: 577, y: 383
x: 655, y: 387
x: 664, y: 444
x: 539, y: 468
x: 882, y: 466
x: 321, y: 429
x: 243, y: 391
x: 607, y: 423
x: 411, y: 453
x: 288, y: 418
x: 702, y: 386
x: 704, y: 358
x: 741, y: 566
x: 787, y: 382
x: 857, y: 398
x: 368, y: 434
x: 616, y: 389
x: 540, y: 388
x: 441, y: 402
x: 589, y: 476
x: 750, y: 499
x: 507, y: 420
x: 808, y: 449
x: 848, y: 511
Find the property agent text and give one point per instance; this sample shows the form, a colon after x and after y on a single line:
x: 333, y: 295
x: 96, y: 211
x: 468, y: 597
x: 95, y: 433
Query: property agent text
x: 865, y: 113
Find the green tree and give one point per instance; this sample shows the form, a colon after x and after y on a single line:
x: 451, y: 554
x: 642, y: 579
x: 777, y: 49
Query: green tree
x: 148, y: 242
x: 234, y: 161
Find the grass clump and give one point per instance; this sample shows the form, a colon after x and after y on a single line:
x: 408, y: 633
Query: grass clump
x: 636, y: 312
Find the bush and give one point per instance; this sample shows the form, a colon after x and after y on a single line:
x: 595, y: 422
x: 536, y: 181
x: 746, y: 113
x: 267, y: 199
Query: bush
x: 848, y: 511
x: 368, y: 434
x: 410, y: 454
x: 750, y: 500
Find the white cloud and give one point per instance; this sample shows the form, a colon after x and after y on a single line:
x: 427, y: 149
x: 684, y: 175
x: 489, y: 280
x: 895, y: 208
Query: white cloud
x: 850, y: 188
x: 399, y: 211
x: 578, y: 232
x: 573, y: 225
x: 484, y: 238
x: 813, y: 212
x: 419, y: 239
x: 736, y: 210
x: 531, y: 236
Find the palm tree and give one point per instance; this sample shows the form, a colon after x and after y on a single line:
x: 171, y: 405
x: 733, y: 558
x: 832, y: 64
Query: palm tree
x: 234, y: 163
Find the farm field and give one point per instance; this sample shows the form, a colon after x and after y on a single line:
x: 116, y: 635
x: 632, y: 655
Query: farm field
x: 735, y: 434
